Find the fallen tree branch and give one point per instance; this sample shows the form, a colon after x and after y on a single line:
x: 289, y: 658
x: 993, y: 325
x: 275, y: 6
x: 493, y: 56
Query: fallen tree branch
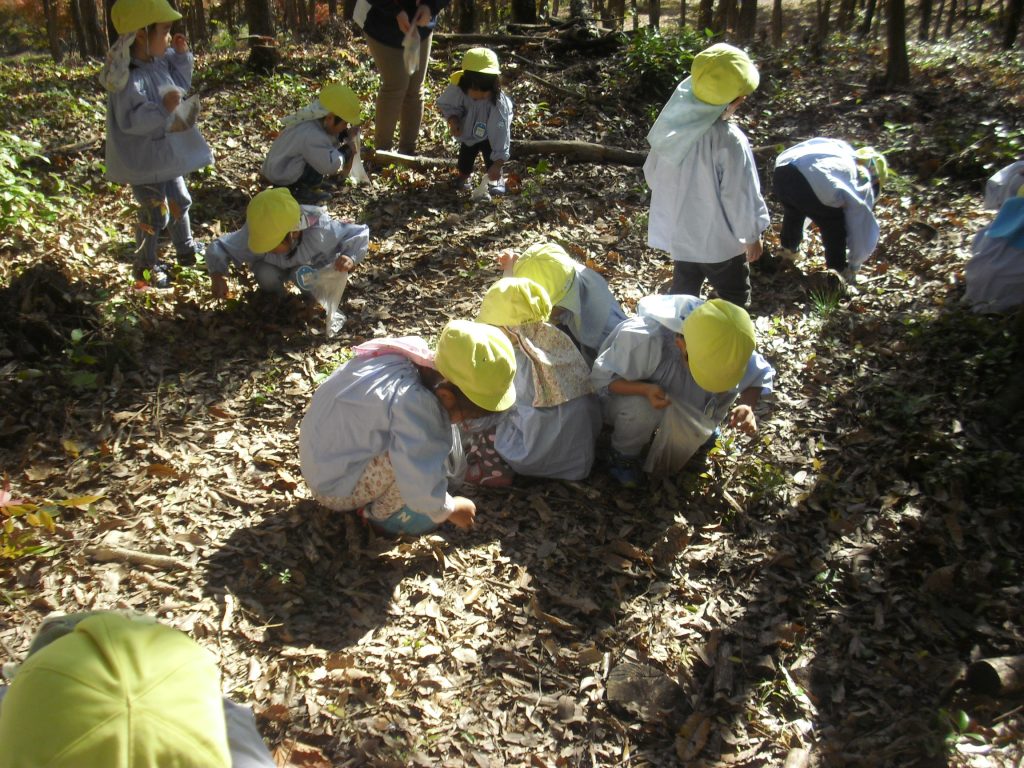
x: 135, y: 557
x: 582, y: 151
x: 567, y: 92
x: 455, y: 38
x: 420, y: 162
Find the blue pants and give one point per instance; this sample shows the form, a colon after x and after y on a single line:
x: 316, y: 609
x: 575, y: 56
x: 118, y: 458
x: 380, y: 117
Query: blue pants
x: 161, y: 206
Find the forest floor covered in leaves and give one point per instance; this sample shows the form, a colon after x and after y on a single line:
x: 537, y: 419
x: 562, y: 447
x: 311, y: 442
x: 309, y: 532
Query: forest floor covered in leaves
x: 820, y: 587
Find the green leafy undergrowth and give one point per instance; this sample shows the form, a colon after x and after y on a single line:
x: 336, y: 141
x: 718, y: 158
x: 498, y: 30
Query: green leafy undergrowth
x: 25, y: 524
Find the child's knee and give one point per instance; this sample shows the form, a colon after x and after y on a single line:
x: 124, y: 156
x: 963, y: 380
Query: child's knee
x: 153, y: 216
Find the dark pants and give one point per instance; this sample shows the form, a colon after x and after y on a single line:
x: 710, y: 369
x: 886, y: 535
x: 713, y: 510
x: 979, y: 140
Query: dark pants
x: 730, y: 279
x: 468, y: 153
x: 304, y: 189
x: 800, y: 203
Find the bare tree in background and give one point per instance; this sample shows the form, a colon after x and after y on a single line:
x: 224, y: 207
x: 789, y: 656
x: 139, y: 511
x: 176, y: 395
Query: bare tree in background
x: 747, y: 25
x: 52, y: 32
x: 524, y: 11
x: 1012, y: 29
x: 777, y: 22
x: 897, y: 73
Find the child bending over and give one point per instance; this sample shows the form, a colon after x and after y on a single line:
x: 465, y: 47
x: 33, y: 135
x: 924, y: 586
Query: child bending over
x: 377, y: 435
x: 148, y: 146
x: 318, y: 141
x: 480, y: 116
x: 679, y: 349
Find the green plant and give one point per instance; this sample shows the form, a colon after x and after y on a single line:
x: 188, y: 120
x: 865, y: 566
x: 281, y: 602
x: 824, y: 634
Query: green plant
x: 24, y: 204
x: 656, y: 62
x: 25, y: 522
x: 532, y: 186
x: 825, y: 300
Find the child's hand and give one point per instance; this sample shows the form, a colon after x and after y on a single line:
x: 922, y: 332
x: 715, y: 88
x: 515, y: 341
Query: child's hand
x: 656, y: 396
x: 454, y: 125
x: 180, y: 43
x: 172, y: 99
x: 422, y: 17
x: 742, y: 418
x: 219, y: 286
x: 464, y: 515
x: 507, y: 260
x: 403, y: 21
x: 344, y: 264
x: 754, y: 251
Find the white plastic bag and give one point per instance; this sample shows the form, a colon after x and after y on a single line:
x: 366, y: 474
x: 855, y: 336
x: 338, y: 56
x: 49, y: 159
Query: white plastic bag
x: 683, y: 430
x: 411, y: 48
x: 358, y: 173
x: 327, y: 286
x: 481, y: 192
x: 360, y: 12
x: 456, y: 464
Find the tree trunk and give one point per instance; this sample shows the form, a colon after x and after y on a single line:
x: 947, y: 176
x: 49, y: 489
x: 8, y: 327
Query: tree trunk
x: 824, y: 11
x: 897, y: 72
x: 52, y: 32
x: 846, y: 12
x: 748, y: 20
x: 1012, y: 29
x: 936, y: 25
x: 465, y: 17
x: 682, y: 13
x: 869, y: 16
x: 654, y: 13
x: 263, y: 54
x: 580, y: 9
x: 704, y: 14
x: 925, y: 20
x: 723, y: 13
x: 524, y: 11
x: 951, y: 18
x: 580, y: 151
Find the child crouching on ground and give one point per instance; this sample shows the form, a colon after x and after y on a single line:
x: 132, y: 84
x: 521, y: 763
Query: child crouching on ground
x: 679, y: 349
x: 480, y: 116
x: 583, y: 304
x: 552, y: 428
x: 318, y: 141
x: 279, y: 238
x: 377, y: 435
x: 119, y: 689
x: 147, y: 146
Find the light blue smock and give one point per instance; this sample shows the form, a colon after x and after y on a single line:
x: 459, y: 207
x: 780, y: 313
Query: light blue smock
x: 139, y: 149
x: 481, y: 119
x: 373, y: 406
x: 299, y: 145
x: 838, y: 181
x: 1004, y: 184
x: 995, y: 273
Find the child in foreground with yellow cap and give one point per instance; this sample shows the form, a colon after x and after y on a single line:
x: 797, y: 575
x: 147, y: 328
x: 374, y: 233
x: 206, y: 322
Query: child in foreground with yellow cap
x: 378, y: 433
x: 583, y: 305
x: 479, y: 115
x: 119, y: 690
x: 320, y: 140
x: 679, y: 349
x: 148, y: 146
x: 555, y: 402
x: 280, y: 238
x: 706, y: 204
x: 836, y: 187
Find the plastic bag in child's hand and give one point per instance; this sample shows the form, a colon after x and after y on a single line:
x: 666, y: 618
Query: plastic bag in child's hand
x: 411, y: 49
x: 358, y: 173
x: 683, y: 430
x: 185, y: 115
x: 481, y: 192
x: 327, y: 285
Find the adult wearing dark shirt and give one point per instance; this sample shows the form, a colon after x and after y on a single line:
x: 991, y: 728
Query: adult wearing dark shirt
x: 400, y: 98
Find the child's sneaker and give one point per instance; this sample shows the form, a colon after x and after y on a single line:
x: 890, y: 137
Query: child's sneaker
x: 496, y: 188
x: 463, y: 183
x: 156, y: 276
x: 625, y: 469
x: 189, y: 259
x: 311, y: 195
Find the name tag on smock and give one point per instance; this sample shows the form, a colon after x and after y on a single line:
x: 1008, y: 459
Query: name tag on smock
x: 480, y: 131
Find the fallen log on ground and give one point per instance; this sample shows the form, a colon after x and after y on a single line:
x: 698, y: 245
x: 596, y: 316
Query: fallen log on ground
x: 580, y: 151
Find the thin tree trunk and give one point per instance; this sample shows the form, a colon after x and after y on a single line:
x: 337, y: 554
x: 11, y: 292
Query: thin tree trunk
x: 1012, y: 28
x: 682, y: 13
x: 76, y: 23
x: 846, y: 12
x: 869, y: 15
x: 704, y: 14
x: 777, y: 23
x: 937, y: 23
x: 524, y: 11
x: 465, y: 17
x: 926, y: 19
x: 263, y: 55
x: 96, y: 46
x: 52, y: 32
x: 654, y: 13
x: 951, y: 18
x: 824, y: 11
x: 747, y: 21
x: 897, y: 72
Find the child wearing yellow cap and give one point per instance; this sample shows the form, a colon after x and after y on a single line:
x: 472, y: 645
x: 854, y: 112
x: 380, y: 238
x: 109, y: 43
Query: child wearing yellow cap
x: 479, y: 115
x: 836, y: 187
x: 679, y: 349
x: 280, y: 238
x: 148, y: 146
x: 378, y: 433
x: 555, y: 402
x: 706, y: 204
x: 119, y: 690
x: 317, y: 141
x: 583, y: 305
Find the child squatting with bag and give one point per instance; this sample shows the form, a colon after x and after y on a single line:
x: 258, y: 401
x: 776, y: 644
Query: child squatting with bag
x: 706, y: 204
x: 553, y: 426
x: 479, y: 115
x: 319, y: 140
x: 680, y: 351
x: 149, y: 146
x: 583, y: 305
x: 119, y: 690
x: 378, y: 432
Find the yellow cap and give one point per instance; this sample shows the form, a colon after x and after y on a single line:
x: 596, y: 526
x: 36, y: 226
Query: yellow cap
x: 116, y: 693
x: 342, y: 101
x: 482, y: 60
x: 719, y: 341
x: 514, y: 301
x: 723, y: 73
x: 480, y: 361
x: 131, y: 15
x: 271, y: 215
x: 876, y: 163
x: 548, y: 265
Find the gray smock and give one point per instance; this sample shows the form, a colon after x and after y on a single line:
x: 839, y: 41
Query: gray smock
x: 299, y: 145
x: 481, y: 119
